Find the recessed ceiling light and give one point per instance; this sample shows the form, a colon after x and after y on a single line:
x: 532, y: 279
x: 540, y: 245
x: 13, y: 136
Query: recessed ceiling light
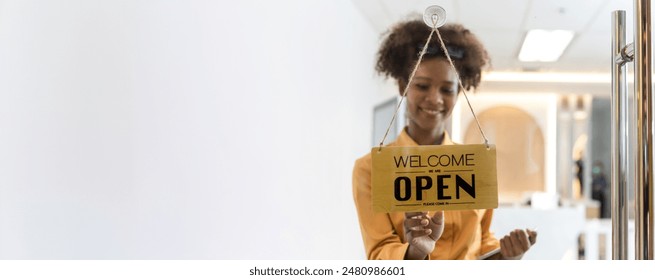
x: 544, y: 45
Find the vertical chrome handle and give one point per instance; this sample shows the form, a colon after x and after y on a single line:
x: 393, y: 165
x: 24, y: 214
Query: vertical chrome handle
x: 644, y: 101
x: 619, y: 141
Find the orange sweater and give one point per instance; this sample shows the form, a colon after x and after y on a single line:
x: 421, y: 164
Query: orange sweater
x: 466, y: 234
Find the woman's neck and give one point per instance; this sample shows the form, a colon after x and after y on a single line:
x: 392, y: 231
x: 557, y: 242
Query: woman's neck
x: 426, y: 137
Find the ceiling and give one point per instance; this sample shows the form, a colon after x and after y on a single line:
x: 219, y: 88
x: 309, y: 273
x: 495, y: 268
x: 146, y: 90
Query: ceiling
x: 502, y: 25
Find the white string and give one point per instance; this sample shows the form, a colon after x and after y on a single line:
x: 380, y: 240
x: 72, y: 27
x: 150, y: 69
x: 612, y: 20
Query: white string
x: 443, y: 47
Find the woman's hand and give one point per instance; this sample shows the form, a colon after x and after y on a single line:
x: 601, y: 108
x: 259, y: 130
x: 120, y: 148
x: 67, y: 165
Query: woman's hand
x: 422, y: 233
x: 516, y: 243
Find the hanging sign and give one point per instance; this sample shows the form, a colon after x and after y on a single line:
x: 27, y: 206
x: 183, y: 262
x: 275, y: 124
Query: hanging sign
x: 440, y: 177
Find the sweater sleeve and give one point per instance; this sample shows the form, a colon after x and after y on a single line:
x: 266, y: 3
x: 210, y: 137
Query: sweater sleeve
x: 381, y: 241
x: 488, y: 241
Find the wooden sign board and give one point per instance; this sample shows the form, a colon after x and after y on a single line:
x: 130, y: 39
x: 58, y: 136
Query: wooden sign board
x: 440, y: 177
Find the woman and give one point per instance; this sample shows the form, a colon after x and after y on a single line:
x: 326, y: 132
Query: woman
x: 430, y: 100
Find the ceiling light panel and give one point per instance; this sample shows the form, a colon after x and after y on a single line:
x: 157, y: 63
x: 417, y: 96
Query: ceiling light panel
x: 544, y: 45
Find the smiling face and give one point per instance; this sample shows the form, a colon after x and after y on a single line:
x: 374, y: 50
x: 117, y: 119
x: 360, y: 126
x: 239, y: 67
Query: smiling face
x: 430, y: 100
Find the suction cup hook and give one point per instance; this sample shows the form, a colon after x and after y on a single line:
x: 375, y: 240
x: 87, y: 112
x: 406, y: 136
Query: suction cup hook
x: 434, y: 16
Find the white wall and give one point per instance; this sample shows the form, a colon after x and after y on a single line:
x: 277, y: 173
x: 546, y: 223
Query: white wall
x: 182, y: 129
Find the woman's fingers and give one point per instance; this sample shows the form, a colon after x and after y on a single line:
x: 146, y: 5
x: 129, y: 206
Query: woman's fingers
x: 524, y: 240
x: 412, y: 224
x: 437, y: 223
x: 516, y: 243
x: 520, y: 241
x: 508, y: 248
x: 438, y: 218
x: 420, y: 233
x: 415, y: 215
x: 504, y: 247
x: 420, y: 224
x: 532, y: 236
x: 415, y: 226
